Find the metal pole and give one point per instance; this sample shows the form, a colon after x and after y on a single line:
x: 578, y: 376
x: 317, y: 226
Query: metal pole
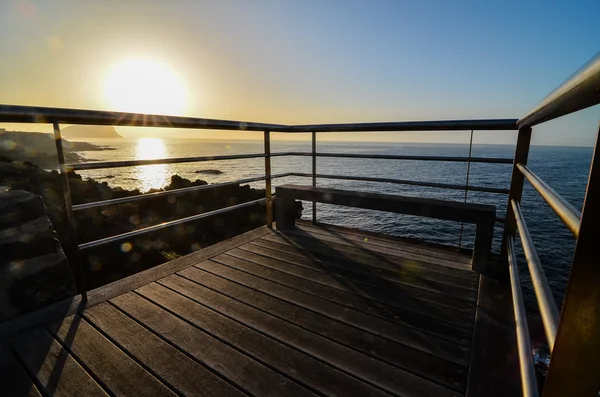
x: 516, y: 188
x: 528, y: 379
x: 462, y: 224
x: 314, y: 174
x: 575, y: 365
x: 74, y: 257
x: 268, y: 188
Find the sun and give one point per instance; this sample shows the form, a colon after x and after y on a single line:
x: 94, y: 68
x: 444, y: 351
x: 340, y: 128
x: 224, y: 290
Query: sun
x: 144, y: 86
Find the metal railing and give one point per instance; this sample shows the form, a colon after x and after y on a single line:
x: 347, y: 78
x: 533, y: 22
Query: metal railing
x: 24, y: 114
x: 572, y: 339
x: 573, y: 336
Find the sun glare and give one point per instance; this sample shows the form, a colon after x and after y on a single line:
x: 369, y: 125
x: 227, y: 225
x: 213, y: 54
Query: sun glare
x: 152, y: 176
x: 144, y: 86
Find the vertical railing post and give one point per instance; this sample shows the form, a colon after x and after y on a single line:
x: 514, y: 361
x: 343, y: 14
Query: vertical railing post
x: 268, y: 179
x: 575, y: 365
x: 74, y: 257
x: 314, y: 175
x: 462, y: 224
x: 516, y: 188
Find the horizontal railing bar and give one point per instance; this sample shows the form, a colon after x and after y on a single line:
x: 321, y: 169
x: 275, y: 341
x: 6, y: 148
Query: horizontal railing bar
x: 440, y: 125
x: 163, y: 225
x: 133, y: 163
x: 578, y: 92
x: 570, y: 216
x: 546, y: 303
x: 423, y: 158
x: 281, y: 154
x: 123, y: 200
x: 404, y: 182
x: 528, y: 378
x: 500, y: 220
x: 35, y: 114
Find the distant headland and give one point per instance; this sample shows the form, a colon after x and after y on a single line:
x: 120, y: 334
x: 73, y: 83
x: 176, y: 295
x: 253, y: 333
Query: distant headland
x: 90, y: 131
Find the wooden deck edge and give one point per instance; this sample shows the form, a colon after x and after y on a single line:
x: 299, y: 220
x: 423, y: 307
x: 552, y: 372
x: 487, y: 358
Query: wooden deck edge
x: 494, y: 367
x: 390, y: 238
x: 101, y: 294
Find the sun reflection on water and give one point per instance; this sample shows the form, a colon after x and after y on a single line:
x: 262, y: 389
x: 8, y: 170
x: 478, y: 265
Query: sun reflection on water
x: 153, y: 176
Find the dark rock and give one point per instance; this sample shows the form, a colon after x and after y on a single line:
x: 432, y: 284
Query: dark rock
x: 34, y: 271
x: 108, y: 263
x: 209, y: 172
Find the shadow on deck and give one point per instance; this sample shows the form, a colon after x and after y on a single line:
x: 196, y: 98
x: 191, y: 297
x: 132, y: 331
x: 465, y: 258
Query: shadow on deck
x: 315, y: 310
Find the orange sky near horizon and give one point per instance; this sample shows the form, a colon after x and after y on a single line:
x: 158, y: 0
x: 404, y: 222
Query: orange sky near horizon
x: 277, y: 62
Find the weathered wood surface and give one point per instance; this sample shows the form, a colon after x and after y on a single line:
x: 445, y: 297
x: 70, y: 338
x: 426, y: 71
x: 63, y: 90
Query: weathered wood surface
x: 73, y: 305
x: 483, y: 216
x: 313, y: 311
x: 494, y: 367
x: 56, y: 371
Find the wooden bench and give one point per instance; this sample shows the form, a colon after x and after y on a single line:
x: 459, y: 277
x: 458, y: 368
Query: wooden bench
x: 483, y: 216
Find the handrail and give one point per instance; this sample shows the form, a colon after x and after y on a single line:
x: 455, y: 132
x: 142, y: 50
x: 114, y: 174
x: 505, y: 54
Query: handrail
x: 578, y: 92
x: 129, y: 199
x: 163, y: 225
x: 175, y: 160
x: 528, y: 379
x: 496, y: 160
x: 438, y: 125
x: 403, y: 182
x: 36, y: 114
x: 541, y: 288
x: 570, y: 216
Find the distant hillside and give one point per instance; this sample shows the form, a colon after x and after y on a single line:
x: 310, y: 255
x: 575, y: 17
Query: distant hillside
x: 90, y: 131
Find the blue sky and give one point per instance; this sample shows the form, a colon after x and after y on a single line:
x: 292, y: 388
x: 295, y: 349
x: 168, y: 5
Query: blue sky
x: 312, y: 61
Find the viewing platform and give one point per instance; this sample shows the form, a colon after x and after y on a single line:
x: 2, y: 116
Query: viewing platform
x: 312, y: 310
x: 299, y: 307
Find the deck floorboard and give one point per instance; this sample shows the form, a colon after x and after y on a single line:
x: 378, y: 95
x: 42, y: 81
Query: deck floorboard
x: 318, y: 310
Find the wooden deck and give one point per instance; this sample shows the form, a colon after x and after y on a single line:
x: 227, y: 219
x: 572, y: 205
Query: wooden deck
x: 314, y: 311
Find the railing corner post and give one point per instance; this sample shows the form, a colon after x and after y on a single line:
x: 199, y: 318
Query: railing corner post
x: 515, y: 190
x: 314, y: 175
x: 73, y: 249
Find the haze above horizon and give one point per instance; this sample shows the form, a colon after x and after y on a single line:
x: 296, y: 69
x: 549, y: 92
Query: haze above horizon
x: 304, y: 62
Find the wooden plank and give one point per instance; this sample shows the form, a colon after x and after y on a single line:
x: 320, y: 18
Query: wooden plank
x: 166, y: 362
x: 300, y: 367
x: 361, y: 366
x: 366, y: 265
x: 407, y: 336
x: 423, y: 308
x: 424, y: 365
x: 75, y: 304
x: 302, y: 241
x: 387, y: 262
x: 244, y: 371
x: 494, y: 369
x: 361, y: 298
x: 403, y: 284
x: 54, y: 368
x: 111, y: 366
x: 375, y: 245
x: 14, y: 381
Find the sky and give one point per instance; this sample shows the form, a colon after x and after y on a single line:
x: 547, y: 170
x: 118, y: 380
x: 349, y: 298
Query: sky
x: 302, y: 62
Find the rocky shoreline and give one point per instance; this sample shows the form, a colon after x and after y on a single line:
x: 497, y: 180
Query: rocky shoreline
x: 114, y: 261
x: 40, y: 149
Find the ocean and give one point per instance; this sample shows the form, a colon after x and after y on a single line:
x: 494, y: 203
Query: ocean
x: 564, y: 168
